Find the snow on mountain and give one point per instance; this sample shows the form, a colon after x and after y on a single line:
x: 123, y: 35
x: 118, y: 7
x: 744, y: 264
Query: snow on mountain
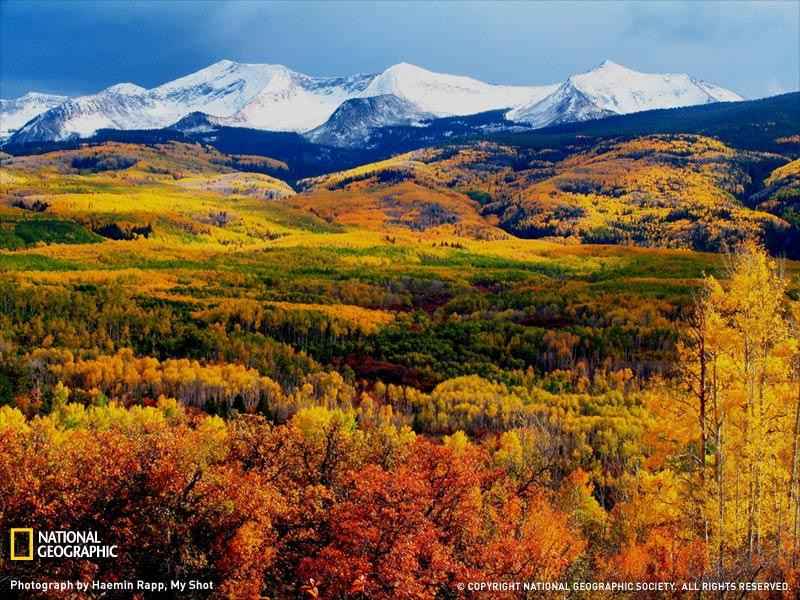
x: 125, y: 89
x: 294, y: 102
x: 405, y: 94
x: 354, y: 120
x: 196, y: 122
x: 450, y: 95
x: 260, y: 96
x: 15, y: 113
x: 273, y: 97
x: 219, y: 90
x: 119, y: 107
x: 613, y: 89
x: 565, y: 105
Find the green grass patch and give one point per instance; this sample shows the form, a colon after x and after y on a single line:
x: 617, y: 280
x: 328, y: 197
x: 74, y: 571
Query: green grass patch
x: 36, y: 262
x: 53, y: 231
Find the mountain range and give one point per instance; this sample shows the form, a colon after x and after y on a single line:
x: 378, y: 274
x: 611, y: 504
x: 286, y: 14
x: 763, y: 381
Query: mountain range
x: 15, y: 113
x: 343, y: 111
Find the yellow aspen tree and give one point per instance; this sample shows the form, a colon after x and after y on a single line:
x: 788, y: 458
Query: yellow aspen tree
x: 737, y: 368
x: 794, y: 495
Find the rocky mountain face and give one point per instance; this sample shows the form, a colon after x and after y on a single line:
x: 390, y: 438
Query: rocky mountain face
x: 344, y: 111
x: 15, y: 113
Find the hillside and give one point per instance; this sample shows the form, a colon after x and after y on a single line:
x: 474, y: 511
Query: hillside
x: 768, y: 124
x: 666, y: 191
x: 174, y: 191
x: 399, y: 270
x: 409, y: 191
x: 376, y: 270
x: 781, y: 192
x: 170, y: 323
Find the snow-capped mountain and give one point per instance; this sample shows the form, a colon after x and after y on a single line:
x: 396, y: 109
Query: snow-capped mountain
x: 405, y: 94
x: 260, y: 96
x: 294, y: 102
x: 116, y: 107
x: 15, y: 113
x: 275, y: 98
x: 450, y: 95
x: 196, y: 122
x: 565, y: 105
x: 356, y: 118
x: 271, y: 97
x: 613, y: 89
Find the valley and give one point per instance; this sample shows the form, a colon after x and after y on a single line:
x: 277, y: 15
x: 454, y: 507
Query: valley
x: 457, y: 352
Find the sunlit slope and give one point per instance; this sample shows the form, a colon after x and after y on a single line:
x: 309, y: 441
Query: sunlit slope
x: 409, y: 192
x: 657, y: 191
x: 781, y: 195
x: 676, y: 191
x: 237, y: 268
x: 178, y: 192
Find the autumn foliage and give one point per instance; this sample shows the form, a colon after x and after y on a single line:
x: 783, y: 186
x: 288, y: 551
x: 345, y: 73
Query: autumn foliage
x: 257, y: 507
x: 268, y: 390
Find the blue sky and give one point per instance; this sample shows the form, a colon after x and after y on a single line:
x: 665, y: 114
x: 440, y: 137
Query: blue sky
x: 81, y: 47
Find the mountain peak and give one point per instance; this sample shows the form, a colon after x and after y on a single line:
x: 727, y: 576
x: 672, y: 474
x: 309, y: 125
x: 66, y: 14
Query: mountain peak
x: 442, y: 94
x: 232, y: 65
x: 124, y: 88
x: 613, y: 89
x: 405, y: 65
x: 405, y: 68
x: 275, y: 98
x: 354, y: 120
x: 195, y: 122
x: 221, y: 66
x: 14, y: 113
x: 609, y: 66
x: 39, y: 96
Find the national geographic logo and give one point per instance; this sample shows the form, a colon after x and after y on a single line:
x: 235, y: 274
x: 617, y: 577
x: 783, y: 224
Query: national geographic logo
x: 25, y: 544
x: 24, y: 535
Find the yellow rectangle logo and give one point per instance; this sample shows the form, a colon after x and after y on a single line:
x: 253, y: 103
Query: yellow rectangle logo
x: 22, y: 530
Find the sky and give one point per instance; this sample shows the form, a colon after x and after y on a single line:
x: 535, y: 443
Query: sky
x: 75, y: 48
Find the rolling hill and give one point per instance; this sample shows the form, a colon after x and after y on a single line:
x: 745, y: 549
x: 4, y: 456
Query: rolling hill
x: 702, y: 177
